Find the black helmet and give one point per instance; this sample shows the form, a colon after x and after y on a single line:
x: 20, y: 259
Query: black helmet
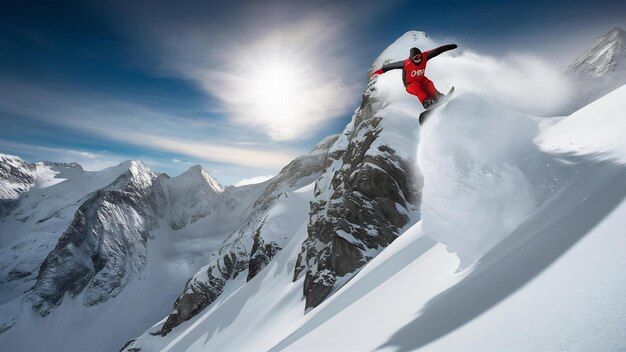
x: 414, y: 51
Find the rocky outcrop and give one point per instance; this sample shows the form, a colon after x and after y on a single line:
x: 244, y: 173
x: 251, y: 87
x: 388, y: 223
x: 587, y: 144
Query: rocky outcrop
x: 261, y: 254
x: 360, y: 205
x: 16, y: 177
x: 105, y: 246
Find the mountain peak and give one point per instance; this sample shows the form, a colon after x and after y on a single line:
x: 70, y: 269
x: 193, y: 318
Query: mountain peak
x: 12, y: 159
x: 133, y: 172
x: 617, y: 32
x: 606, y: 56
x: 415, y: 35
x: 197, y: 174
x: 399, y: 49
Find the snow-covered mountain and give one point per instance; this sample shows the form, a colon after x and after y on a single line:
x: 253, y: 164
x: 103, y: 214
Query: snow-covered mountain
x: 600, y: 69
x: 486, y: 229
x: 78, y: 244
x: 17, y: 177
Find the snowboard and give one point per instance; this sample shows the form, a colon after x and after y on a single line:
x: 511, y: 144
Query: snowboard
x: 424, y: 115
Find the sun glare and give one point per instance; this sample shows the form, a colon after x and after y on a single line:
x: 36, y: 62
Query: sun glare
x: 279, y: 87
x: 285, y: 84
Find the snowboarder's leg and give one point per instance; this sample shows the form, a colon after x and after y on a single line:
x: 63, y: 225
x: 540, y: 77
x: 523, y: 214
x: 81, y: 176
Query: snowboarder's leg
x: 430, y: 89
x: 416, y: 89
x: 427, y: 87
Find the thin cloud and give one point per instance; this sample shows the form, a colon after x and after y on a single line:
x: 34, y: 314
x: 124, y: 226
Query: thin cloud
x: 88, y: 160
x: 205, y: 151
x: 132, y: 124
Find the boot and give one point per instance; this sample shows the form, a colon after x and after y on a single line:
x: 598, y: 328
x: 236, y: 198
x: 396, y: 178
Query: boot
x: 428, y: 103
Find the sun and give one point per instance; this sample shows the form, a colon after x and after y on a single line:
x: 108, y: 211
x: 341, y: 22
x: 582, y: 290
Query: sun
x: 279, y: 89
x: 285, y: 86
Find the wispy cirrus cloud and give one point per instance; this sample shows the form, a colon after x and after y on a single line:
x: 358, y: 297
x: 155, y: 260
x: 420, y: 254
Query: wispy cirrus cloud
x: 88, y: 160
x: 137, y: 125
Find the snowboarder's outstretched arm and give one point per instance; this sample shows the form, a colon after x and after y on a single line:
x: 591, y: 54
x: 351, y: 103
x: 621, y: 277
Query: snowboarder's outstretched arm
x: 390, y: 66
x: 432, y: 53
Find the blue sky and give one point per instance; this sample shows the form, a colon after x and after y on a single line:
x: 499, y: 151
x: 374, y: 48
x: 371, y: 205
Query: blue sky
x: 183, y: 84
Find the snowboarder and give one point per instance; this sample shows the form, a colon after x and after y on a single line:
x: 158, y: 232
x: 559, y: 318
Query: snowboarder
x: 413, y: 69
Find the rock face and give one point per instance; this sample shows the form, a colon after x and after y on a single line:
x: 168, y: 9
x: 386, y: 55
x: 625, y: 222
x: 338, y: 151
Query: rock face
x: 360, y: 205
x: 105, y: 246
x: 252, y: 247
x: 260, y: 254
x: 16, y: 177
x: 600, y: 69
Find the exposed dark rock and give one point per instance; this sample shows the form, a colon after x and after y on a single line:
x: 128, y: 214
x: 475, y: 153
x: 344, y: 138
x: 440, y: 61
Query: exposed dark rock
x: 261, y: 255
x: 17, y: 177
x: 357, y: 209
x: 7, y: 323
x: 127, y: 347
x: 17, y: 274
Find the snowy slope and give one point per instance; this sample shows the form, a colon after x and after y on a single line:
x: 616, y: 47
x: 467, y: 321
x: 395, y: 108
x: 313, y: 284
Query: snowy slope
x: 539, y: 288
x: 596, y: 129
x: 243, y: 308
x: 506, y: 218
